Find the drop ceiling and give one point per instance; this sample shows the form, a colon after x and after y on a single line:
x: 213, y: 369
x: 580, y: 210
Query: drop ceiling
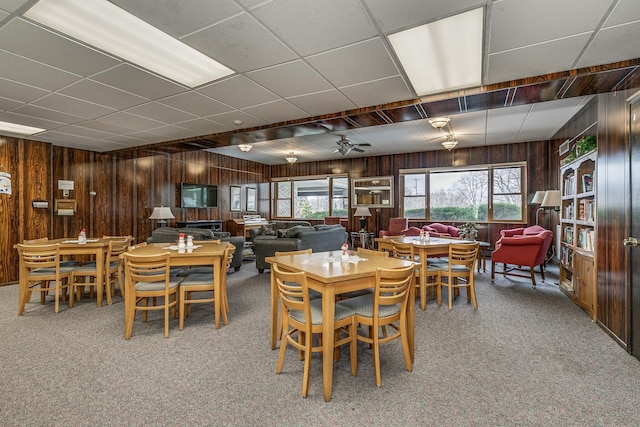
x: 295, y: 60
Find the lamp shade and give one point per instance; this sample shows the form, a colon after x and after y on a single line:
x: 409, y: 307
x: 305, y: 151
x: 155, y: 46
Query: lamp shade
x: 538, y: 197
x: 362, y: 211
x: 551, y: 199
x: 161, y: 213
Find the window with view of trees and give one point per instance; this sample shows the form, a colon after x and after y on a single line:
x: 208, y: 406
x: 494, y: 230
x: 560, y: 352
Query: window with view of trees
x: 312, y: 198
x: 487, y: 193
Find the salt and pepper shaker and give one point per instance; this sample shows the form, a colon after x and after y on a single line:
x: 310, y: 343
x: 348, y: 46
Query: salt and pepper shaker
x: 181, y: 244
x: 189, y: 244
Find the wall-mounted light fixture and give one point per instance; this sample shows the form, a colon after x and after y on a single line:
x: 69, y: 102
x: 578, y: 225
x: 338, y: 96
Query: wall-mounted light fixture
x: 245, y: 148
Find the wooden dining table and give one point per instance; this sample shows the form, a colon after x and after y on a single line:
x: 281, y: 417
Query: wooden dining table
x: 205, y: 253
x: 433, y: 247
x: 327, y: 275
x: 95, y: 247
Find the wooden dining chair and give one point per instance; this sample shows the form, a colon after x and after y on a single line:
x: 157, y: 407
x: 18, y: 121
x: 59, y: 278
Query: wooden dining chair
x: 43, y: 273
x: 386, y: 306
x: 407, y: 251
x: 302, y: 318
x: 205, y: 282
x: 86, y: 274
x: 364, y: 251
x: 148, y: 276
x: 459, y: 272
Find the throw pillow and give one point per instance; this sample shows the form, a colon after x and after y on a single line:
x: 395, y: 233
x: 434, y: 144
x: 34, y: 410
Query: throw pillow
x: 268, y: 230
x: 293, y: 232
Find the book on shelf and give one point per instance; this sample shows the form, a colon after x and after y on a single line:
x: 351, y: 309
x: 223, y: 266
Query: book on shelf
x: 570, y: 185
x: 586, y: 210
x: 585, y: 238
x: 587, y: 182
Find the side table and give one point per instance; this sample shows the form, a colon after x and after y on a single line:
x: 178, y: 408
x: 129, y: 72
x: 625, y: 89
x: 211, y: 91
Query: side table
x: 483, y: 251
x: 363, y: 239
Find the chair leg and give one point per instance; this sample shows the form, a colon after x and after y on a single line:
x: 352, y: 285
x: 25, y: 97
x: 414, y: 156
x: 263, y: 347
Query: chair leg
x: 166, y: 316
x: 307, y: 363
x: 353, y: 347
x: 376, y: 357
x: 542, y: 272
x: 493, y: 271
x: 283, y: 346
x: 533, y: 278
x: 181, y: 313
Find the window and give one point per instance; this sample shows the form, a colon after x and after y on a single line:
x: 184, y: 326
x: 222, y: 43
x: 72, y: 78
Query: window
x: 484, y: 193
x: 312, y: 198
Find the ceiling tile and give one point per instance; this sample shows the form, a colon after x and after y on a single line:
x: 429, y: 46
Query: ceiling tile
x: 519, y: 63
x: 195, y: 103
x: 606, y: 47
x: 130, y: 121
x: 394, y: 16
x: 179, y: 18
x: 160, y: 112
x: 511, y: 21
x: 102, y: 94
x: 85, y: 132
x: 311, y: 26
x: 20, y: 92
x: 253, y: 46
x: 276, y: 111
x: 320, y: 103
x: 346, y: 66
x: 626, y: 11
x: 9, y: 104
x: 30, y: 120
x: 47, y: 114
x: 33, y: 42
x: 379, y: 91
x: 302, y: 79
x: 131, y: 79
x: 203, y: 126
x: 73, y: 106
x: 238, y: 91
x: 26, y: 71
x: 228, y: 119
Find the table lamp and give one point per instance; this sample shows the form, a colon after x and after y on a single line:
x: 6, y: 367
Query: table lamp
x: 363, y: 213
x: 161, y: 213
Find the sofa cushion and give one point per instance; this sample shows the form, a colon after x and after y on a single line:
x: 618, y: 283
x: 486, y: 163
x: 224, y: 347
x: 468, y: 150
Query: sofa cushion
x: 293, y: 232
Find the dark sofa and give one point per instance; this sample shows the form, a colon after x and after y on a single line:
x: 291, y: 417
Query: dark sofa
x: 293, y: 236
x: 170, y: 235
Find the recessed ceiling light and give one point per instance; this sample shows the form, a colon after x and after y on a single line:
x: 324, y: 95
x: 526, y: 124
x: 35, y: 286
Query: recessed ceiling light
x: 15, y: 128
x: 442, y: 55
x: 105, y: 26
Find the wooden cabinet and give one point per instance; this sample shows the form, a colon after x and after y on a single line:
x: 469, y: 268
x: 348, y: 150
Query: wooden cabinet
x: 578, y: 231
x: 373, y: 192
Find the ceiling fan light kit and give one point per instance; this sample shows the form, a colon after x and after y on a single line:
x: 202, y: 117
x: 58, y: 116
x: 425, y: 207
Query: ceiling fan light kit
x: 346, y: 146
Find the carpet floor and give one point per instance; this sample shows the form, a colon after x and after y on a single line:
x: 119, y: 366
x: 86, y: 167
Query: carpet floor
x: 525, y: 358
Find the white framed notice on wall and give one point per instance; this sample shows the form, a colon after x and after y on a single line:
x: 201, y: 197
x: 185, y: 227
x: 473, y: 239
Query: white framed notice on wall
x: 5, y: 183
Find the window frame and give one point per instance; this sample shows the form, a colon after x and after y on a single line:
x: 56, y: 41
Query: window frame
x: 490, y: 168
x: 291, y: 180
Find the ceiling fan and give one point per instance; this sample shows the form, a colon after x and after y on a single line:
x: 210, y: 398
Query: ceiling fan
x: 345, y: 146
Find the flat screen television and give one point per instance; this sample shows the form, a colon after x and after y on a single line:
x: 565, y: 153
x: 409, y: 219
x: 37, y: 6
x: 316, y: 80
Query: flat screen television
x: 198, y: 195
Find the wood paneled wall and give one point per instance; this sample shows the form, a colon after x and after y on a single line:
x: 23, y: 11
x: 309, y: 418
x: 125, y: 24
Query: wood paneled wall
x: 126, y: 190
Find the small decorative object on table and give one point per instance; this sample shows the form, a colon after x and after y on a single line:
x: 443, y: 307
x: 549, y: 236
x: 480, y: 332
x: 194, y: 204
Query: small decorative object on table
x: 469, y: 230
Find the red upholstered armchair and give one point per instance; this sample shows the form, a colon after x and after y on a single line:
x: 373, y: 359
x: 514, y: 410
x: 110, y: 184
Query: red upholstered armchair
x: 521, y: 247
x: 396, y: 225
x: 441, y: 230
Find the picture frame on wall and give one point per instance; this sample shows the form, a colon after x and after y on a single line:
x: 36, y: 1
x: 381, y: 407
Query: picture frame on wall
x: 236, y: 198
x: 252, y: 199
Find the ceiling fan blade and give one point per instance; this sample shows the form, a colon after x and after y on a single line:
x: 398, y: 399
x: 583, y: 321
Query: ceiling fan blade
x: 359, y: 150
x: 365, y: 144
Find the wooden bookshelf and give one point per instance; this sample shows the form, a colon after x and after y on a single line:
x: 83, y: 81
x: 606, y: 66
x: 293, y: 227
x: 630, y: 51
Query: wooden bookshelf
x: 578, y: 222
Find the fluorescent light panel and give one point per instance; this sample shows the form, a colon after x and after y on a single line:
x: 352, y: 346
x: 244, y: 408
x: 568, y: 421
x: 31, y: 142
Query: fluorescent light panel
x: 442, y: 55
x: 15, y: 128
x: 105, y: 26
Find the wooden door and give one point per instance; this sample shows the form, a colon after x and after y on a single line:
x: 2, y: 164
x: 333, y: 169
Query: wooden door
x: 634, y: 255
